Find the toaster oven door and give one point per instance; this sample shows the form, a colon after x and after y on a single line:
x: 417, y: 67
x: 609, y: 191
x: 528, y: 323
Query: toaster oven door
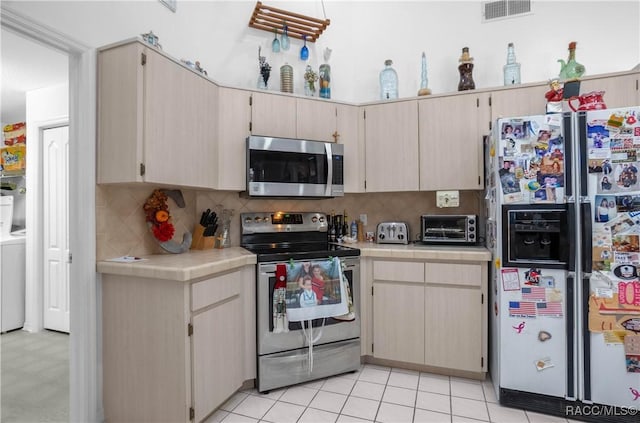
x: 444, y: 229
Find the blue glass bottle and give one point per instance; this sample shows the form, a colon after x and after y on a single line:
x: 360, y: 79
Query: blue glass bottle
x: 304, y: 51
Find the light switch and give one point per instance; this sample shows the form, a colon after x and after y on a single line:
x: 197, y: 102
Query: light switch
x: 448, y: 198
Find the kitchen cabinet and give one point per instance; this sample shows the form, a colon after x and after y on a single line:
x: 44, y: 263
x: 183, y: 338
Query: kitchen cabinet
x: 230, y: 159
x: 518, y: 101
x: 316, y: 120
x: 430, y: 313
x: 349, y: 134
x: 391, y: 146
x: 620, y: 90
x: 451, y: 141
x: 154, y: 119
x: 175, y: 351
x: 273, y: 115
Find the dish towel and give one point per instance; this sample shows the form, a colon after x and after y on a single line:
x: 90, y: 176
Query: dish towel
x: 316, y: 290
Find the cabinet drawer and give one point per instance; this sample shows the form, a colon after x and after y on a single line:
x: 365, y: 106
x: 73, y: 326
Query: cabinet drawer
x: 454, y: 273
x: 216, y: 289
x: 398, y: 271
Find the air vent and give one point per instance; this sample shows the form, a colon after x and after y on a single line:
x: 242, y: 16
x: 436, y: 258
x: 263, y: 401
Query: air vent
x: 501, y: 9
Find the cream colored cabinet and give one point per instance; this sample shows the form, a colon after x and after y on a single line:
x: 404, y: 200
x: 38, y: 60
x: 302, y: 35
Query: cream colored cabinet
x: 518, y: 101
x: 451, y: 141
x: 175, y: 351
x: 455, y: 330
x: 154, y: 119
x: 234, y: 117
x: 316, y: 120
x: 429, y: 313
x: 391, y: 146
x: 347, y: 128
x: 273, y: 115
x: 620, y: 90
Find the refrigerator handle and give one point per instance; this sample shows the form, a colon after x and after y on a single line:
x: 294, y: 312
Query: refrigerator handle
x: 582, y: 149
x: 567, y: 130
x: 570, y: 333
x: 587, y: 219
x: 571, y: 228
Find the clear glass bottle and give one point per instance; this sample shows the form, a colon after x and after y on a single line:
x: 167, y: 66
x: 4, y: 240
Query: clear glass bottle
x: 511, y: 70
x: 284, y: 38
x: 324, y: 74
x: 388, y: 82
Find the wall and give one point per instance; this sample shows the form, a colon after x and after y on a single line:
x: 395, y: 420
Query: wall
x: 121, y: 228
x: 362, y: 34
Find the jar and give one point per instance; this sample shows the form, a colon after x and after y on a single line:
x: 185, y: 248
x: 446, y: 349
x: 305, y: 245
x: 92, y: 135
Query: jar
x: 466, y: 71
x: 286, y: 78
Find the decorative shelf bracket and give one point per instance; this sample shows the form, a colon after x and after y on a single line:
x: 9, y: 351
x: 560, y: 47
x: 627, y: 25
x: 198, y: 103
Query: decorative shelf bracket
x: 271, y: 19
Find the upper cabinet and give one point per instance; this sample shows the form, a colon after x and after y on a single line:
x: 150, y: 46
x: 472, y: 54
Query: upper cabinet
x: 154, y: 119
x: 230, y: 160
x: 451, y: 141
x: 316, y: 120
x: 273, y: 115
x: 391, y: 146
x: 349, y: 134
x: 619, y: 90
x: 518, y: 101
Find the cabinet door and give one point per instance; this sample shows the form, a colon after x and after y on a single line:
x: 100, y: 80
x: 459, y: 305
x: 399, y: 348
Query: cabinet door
x: 179, y: 124
x: 234, y: 117
x: 349, y: 136
x: 316, y: 120
x: 391, y: 145
x: 273, y: 115
x: 453, y: 328
x: 619, y: 91
x: 451, y: 144
x: 217, y: 368
x: 398, y: 322
x: 519, y: 101
x: 120, y: 114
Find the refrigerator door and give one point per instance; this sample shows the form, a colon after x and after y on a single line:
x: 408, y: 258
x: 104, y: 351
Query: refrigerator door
x: 532, y: 164
x: 533, y: 331
x: 610, y: 300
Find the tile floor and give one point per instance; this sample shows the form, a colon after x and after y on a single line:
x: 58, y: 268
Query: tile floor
x: 377, y: 394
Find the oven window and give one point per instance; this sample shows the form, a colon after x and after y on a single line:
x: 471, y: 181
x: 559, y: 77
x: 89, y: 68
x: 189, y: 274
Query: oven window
x: 288, y: 167
x: 294, y: 298
x: 449, y: 228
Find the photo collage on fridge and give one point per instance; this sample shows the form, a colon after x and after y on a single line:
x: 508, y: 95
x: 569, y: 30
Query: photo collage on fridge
x: 613, y: 142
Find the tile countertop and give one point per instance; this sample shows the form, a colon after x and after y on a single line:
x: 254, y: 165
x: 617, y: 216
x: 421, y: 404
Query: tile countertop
x: 423, y: 252
x: 197, y: 264
x: 187, y: 266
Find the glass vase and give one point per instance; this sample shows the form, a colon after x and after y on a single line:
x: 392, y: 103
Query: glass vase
x: 324, y: 73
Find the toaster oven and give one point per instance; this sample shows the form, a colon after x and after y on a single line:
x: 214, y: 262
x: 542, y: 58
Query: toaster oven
x: 449, y: 229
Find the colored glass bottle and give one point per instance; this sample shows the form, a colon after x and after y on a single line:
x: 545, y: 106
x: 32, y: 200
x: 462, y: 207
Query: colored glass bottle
x: 511, y: 70
x: 466, y: 71
x: 304, y: 51
x: 388, y: 82
x: 571, y: 70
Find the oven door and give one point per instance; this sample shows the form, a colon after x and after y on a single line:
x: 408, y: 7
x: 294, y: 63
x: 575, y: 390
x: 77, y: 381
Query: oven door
x: 331, y: 330
x: 281, y: 167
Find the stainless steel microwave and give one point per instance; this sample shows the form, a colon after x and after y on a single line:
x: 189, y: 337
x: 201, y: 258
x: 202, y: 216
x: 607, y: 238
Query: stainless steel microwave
x: 284, y: 167
x: 449, y: 229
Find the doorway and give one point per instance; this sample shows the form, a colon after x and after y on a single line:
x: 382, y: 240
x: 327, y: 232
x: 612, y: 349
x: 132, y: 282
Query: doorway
x: 85, y: 383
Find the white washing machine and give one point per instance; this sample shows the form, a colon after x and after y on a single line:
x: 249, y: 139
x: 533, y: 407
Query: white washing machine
x: 12, y: 270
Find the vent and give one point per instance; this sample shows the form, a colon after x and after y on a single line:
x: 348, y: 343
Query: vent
x: 504, y: 9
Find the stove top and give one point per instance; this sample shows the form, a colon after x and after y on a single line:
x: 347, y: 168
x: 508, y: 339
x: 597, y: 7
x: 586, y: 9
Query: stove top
x: 283, y: 236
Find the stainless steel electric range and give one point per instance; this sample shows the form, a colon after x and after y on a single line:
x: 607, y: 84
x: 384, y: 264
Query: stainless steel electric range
x: 282, y: 355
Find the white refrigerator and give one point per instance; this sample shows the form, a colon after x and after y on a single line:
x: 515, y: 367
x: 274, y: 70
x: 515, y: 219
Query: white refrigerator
x: 563, y: 221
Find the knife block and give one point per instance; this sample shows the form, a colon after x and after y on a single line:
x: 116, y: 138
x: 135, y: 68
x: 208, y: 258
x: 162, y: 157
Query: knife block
x: 201, y: 242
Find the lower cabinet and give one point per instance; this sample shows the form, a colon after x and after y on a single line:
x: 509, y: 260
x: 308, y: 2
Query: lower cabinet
x: 430, y: 313
x: 175, y: 351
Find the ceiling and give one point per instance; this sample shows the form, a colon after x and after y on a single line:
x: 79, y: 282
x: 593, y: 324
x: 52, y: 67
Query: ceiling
x: 26, y: 66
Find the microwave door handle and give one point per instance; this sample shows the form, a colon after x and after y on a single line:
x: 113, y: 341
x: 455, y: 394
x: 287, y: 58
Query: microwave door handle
x: 329, y: 187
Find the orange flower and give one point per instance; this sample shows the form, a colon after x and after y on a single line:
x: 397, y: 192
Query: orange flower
x: 162, y: 216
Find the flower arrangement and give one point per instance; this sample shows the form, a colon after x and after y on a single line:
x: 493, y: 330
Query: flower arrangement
x: 265, y: 68
x: 157, y: 214
x: 310, y: 78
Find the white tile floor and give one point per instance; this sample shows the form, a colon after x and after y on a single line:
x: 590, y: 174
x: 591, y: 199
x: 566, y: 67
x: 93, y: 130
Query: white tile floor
x: 377, y: 394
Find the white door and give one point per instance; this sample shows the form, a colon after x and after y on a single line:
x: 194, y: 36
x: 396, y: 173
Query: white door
x: 56, y: 222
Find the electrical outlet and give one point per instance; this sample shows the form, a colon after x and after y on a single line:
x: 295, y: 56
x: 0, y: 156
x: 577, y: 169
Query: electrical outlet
x: 363, y: 219
x: 448, y: 198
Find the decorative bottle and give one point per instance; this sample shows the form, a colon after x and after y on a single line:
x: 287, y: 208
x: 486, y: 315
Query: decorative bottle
x: 466, y: 71
x: 286, y: 78
x: 424, y: 81
x: 284, y: 38
x: 388, y: 82
x: 571, y: 70
x: 512, y: 69
x: 324, y: 73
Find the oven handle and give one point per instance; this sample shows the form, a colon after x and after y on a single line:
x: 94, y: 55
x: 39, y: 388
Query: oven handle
x: 329, y: 187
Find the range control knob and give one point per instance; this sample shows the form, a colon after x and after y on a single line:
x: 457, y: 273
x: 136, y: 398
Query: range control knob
x: 258, y: 219
x: 248, y: 220
x: 321, y: 218
x: 314, y: 219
